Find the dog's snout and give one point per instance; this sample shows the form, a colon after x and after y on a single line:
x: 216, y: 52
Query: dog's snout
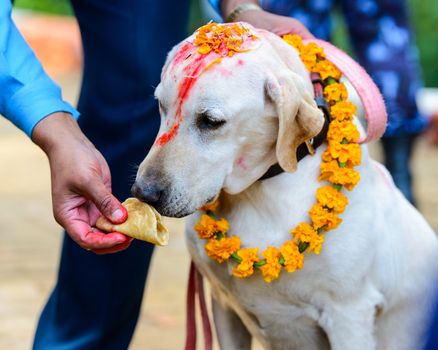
x: 147, y: 192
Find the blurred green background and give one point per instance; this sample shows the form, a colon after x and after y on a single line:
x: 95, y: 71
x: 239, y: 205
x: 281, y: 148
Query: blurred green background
x: 424, y: 20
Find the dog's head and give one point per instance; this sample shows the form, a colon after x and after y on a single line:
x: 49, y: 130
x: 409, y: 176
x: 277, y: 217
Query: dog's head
x: 225, y: 120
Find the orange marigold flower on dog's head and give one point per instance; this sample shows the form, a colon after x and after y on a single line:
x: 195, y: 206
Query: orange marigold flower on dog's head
x: 208, y: 226
x: 224, y: 38
x: 328, y: 197
x: 246, y: 267
x: 293, y: 259
x: 271, y: 270
x: 220, y: 250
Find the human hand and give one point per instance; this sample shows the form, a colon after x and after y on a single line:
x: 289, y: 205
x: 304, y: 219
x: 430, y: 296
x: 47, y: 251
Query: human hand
x: 277, y: 24
x: 81, y: 184
x: 432, y: 130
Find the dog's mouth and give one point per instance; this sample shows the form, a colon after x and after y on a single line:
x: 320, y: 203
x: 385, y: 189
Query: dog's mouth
x: 179, y: 206
x: 174, y: 211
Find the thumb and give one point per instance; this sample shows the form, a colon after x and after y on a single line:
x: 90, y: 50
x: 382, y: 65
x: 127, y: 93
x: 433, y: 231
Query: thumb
x: 107, y: 204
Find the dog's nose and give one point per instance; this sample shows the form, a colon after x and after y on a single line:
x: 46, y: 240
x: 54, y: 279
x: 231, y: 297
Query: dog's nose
x: 147, y: 192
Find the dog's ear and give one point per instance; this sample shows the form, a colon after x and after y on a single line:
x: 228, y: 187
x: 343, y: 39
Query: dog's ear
x: 298, y: 115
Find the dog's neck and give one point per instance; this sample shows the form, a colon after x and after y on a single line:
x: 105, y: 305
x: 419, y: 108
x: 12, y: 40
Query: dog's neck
x: 286, y: 196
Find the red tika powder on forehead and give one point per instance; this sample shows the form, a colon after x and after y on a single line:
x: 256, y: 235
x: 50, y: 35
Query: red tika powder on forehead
x: 212, y: 42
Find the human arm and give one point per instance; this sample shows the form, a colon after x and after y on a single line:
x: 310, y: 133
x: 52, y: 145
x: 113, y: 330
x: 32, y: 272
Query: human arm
x: 81, y: 184
x: 432, y: 130
x: 277, y: 24
x: 80, y: 175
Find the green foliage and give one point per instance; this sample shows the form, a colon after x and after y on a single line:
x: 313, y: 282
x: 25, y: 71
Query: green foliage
x: 60, y: 7
x: 425, y: 24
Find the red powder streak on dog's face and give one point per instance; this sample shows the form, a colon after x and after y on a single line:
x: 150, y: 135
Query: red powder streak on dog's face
x: 183, y: 53
x: 192, y: 72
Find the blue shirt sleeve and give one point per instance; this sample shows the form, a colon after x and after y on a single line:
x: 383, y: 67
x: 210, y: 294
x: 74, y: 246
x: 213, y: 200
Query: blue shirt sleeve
x: 27, y: 94
x: 216, y: 5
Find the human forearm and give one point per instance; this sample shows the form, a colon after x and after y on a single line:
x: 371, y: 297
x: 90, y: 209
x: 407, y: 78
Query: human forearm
x: 228, y: 6
x: 81, y: 184
x: 279, y: 25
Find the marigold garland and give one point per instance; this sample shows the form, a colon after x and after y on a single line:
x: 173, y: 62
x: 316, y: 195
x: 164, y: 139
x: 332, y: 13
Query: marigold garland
x: 338, y: 160
x: 224, y: 39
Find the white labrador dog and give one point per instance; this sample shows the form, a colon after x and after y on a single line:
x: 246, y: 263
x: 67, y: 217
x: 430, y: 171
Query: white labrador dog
x: 220, y: 132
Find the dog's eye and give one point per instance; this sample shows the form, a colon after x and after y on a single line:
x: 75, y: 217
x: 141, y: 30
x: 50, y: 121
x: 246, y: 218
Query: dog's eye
x: 206, y: 122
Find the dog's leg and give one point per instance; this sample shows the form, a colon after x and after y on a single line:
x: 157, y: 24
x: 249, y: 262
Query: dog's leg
x: 350, y: 325
x: 231, y: 332
x: 402, y: 328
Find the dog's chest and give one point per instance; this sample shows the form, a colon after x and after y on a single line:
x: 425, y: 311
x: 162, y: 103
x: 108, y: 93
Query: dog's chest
x: 272, y: 310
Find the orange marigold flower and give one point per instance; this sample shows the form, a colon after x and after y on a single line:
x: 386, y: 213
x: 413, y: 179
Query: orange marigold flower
x: 205, y: 49
x: 323, y: 217
x: 355, y: 157
x: 294, y: 40
x: 310, y: 54
x: 220, y: 250
x: 328, y: 168
x: 345, y: 152
x: 330, y: 171
x: 306, y: 233
x: 335, y: 92
x: 212, y: 206
x: 293, y: 259
x: 332, y: 199
x: 327, y: 70
x: 208, y: 226
x: 346, y: 177
x: 344, y: 110
x: 313, y: 51
x: 326, y: 157
x: 246, y: 267
x: 339, y: 130
x: 271, y: 270
x: 225, y: 39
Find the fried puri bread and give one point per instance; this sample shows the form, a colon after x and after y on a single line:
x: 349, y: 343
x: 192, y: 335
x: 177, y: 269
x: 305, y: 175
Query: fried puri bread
x: 143, y: 223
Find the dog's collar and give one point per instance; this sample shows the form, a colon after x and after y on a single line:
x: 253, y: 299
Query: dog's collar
x: 303, y: 149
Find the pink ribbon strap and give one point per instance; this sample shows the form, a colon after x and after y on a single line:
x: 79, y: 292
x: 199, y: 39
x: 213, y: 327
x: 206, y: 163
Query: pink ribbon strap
x: 372, y: 100
x: 196, y: 287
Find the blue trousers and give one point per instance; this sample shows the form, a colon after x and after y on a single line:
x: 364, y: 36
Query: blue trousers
x: 96, y: 301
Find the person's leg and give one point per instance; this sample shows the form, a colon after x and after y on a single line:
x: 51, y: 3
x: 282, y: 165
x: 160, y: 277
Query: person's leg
x: 385, y: 46
x: 398, y: 153
x: 96, y: 302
